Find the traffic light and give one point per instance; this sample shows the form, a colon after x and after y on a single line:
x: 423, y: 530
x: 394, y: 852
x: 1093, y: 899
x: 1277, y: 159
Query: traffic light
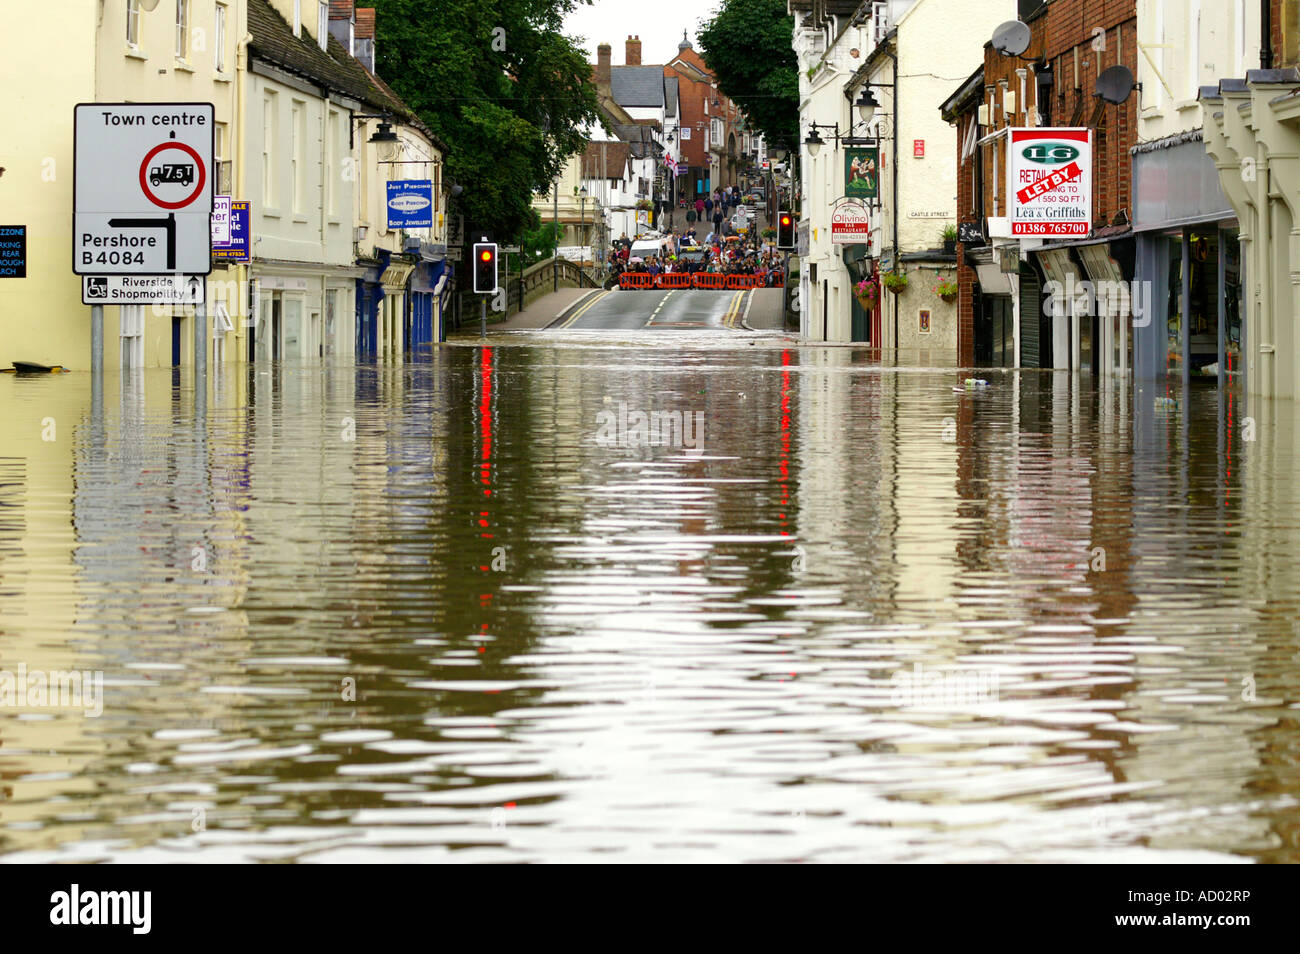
x: 485, y: 267
x: 785, y: 230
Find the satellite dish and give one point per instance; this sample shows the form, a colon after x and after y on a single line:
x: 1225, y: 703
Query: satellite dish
x: 1011, y: 38
x: 1115, y: 84
x: 148, y: 4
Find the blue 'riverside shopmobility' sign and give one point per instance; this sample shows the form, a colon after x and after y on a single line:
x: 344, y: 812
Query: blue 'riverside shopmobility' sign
x: 13, y: 251
x: 410, y: 204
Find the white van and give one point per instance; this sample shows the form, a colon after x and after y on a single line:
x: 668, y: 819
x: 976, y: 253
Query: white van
x: 647, y: 247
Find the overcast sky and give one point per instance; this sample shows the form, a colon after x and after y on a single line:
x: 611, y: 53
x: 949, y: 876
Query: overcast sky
x: 659, y: 23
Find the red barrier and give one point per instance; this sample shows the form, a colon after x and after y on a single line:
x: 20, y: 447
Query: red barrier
x: 636, y: 280
x: 741, y: 282
x: 709, y: 280
x: 673, y: 280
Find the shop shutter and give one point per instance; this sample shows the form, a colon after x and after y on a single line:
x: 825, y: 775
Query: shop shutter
x: 1031, y: 302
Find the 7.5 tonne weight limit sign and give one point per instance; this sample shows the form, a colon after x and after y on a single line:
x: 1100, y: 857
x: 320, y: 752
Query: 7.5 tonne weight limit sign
x: 142, y: 189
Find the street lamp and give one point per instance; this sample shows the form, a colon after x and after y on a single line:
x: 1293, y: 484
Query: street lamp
x: 813, y: 142
x: 867, y: 105
x: 582, y: 217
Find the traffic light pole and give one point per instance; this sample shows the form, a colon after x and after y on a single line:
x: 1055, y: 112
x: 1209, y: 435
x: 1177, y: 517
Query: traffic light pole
x: 482, y: 320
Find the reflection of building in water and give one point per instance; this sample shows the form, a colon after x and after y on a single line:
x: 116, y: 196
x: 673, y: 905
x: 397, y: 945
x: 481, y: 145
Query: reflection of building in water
x: 43, y: 754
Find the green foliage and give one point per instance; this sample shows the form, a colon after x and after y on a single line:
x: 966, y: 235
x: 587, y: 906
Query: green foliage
x: 501, y: 85
x: 950, y: 233
x: 946, y: 288
x: 896, y: 282
x: 749, y: 46
x: 537, y: 245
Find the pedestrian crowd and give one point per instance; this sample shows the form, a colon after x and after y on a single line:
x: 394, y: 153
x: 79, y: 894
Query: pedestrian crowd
x: 722, y: 251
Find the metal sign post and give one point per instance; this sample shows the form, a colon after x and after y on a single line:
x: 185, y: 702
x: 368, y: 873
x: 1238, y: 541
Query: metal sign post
x: 142, y: 202
x: 482, y: 321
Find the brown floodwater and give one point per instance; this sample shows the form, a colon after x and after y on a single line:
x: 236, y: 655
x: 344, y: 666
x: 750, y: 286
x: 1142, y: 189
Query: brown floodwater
x: 649, y: 598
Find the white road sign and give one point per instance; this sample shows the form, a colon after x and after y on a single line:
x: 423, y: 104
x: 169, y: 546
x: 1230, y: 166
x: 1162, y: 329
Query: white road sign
x: 143, y: 289
x: 142, y: 188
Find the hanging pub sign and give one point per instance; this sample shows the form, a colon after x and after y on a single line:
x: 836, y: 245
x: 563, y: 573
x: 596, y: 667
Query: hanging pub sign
x: 861, y: 175
x: 1050, y: 182
x: 850, y: 223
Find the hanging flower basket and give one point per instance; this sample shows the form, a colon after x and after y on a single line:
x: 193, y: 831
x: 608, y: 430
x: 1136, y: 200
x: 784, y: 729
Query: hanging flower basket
x: 867, y: 292
x: 947, y: 290
x: 896, y: 282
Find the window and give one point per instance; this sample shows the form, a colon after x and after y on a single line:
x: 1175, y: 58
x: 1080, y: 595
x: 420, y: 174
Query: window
x: 219, y: 43
x: 269, y: 107
x: 132, y: 23
x: 222, y: 163
x: 323, y: 25
x: 297, y: 18
x: 297, y: 161
x: 182, y: 29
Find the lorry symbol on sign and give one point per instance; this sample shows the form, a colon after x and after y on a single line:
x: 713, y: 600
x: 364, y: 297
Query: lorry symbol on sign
x: 1050, y: 153
x: 181, y: 172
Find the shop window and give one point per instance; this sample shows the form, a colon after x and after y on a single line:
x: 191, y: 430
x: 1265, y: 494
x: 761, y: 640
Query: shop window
x: 1174, y: 328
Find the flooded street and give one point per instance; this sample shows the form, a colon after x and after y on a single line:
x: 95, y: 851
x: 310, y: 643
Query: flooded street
x: 643, y: 598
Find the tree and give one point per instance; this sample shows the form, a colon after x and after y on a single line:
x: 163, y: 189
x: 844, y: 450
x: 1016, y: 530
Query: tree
x: 537, y: 245
x: 749, y: 46
x: 501, y: 85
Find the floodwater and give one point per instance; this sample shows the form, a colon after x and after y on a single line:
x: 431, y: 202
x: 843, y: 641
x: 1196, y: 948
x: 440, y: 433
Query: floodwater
x: 479, y: 608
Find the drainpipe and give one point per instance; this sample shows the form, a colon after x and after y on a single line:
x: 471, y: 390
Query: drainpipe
x: 243, y: 334
x: 893, y: 56
x: 1266, y: 35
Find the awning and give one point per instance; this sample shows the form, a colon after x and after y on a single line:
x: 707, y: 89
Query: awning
x: 1058, y: 267
x: 993, y: 281
x: 1100, y: 266
x: 395, y: 275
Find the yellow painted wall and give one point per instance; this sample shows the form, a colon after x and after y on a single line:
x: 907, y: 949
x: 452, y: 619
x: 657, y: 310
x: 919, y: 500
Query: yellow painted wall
x: 41, y: 316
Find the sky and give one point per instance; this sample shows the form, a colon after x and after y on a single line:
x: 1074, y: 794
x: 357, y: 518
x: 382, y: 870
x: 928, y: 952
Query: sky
x: 659, y: 23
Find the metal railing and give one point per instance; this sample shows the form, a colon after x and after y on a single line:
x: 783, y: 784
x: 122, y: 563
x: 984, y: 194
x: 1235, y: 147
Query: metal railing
x: 536, y: 281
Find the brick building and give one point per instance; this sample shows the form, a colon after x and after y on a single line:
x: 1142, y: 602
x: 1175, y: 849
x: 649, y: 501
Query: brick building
x: 1007, y: 313
x: 711, y: 140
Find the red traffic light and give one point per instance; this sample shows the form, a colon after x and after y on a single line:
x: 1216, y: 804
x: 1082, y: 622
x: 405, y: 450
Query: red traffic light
x: 785, y: 220
x: 486, y: 255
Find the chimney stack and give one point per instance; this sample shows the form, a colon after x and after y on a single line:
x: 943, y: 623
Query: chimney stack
x: 343, y: 20
x: 633, y: 54
x: 365, y: 37
x: 602, y: 64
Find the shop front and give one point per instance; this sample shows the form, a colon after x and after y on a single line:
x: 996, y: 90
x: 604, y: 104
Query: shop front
x: 864, y: 324
x: 427, y: 282
x: 994, y: 313
x: 1188, y: 265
